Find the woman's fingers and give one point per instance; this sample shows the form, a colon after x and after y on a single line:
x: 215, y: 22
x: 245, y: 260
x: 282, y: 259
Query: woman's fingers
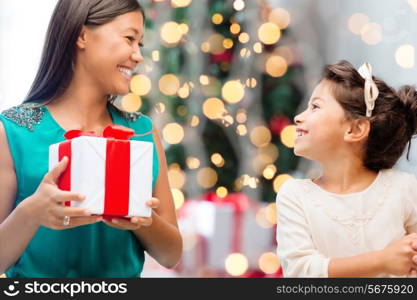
x: 58, y: 223
x: 53, y: 175
x: 153, y: 203
x: 61, y: 211
x: 63, y: 196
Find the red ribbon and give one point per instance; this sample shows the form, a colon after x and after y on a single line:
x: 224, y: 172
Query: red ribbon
x: 117, y: 177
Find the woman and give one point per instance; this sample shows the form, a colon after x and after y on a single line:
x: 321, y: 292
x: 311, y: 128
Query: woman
x: 91, y: 48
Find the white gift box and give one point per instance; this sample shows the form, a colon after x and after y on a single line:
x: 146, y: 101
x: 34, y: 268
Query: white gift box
x: 88, y: 165
x: 217, y: 225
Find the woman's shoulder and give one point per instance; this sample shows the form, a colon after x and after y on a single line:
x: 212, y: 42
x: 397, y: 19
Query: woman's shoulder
x: 25, y: 115
x: 135, y: 120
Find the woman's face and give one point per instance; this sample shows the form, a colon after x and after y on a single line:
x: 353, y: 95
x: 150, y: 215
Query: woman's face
x: 112, y: 51
x: 321, y: 127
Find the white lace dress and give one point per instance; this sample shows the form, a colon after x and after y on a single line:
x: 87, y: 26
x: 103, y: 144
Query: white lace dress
x: 315, y: 225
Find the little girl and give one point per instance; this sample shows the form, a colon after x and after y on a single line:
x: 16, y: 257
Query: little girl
x: 360, y: 217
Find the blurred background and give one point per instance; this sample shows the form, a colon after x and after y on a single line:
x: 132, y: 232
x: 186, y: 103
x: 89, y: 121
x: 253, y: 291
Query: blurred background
x: 222, y: 81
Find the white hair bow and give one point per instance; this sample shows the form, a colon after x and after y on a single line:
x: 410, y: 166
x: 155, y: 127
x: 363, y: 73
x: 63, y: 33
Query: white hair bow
x: 370, y: 90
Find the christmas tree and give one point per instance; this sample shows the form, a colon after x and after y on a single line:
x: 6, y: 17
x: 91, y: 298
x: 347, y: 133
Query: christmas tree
x: 219, y: 80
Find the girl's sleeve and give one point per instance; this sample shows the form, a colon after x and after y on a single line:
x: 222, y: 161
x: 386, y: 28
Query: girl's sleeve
x: 298, y: 255
x: 410, y: 208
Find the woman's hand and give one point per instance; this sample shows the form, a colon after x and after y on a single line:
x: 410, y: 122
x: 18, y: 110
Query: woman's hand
x: 400, y: 257
x: 46, y: 206
x: 135, y: 222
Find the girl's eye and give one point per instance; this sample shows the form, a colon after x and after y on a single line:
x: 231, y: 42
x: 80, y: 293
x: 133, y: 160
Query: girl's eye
x: 130, y: 38
x: 314, y: 106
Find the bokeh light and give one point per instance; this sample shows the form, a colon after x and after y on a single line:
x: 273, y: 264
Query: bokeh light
x: 192, y: 162
x: 260, y: 136
x: 169, y: 84
x: 276, y: 66
x: 178, y: 197
x: 280, y: 180
x: 269, y: 263
x: 233, y: 91
x: 131, y: 102
x: 171, y: 33
x: 239, y: 5
x: 140, y: 85
x: 405, y: 56
x: 280, y: 17
x: 173, y: 133
x: 180, y: 3
x: 213, y: 108
x: 207, y: 177
x: 217, y: 159
x: 236, y: 264
x: 371, y: 33
x: 269, y: 33
x: 356, y: 22
x: 288, y: 135
x: 221, y: 192
x: 176, y: 178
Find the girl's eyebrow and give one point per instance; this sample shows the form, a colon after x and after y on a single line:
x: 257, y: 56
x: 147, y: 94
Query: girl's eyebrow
x: 315, y: 99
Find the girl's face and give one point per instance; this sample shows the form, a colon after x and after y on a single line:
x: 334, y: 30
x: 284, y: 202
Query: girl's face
x: 321, y: 127
x: 110, y: 52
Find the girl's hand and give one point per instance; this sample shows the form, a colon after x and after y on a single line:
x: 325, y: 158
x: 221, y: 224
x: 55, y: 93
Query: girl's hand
x: 46, y: 206
x: 135, y: 222
x: 400, y: 257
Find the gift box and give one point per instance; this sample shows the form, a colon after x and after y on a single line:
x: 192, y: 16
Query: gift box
x: 218, y: 227
x: 113, y: 172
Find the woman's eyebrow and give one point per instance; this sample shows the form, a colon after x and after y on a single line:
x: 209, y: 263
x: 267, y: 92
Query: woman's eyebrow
x: 135, y: 30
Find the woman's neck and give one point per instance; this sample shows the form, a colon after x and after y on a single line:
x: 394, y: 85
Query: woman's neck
x: 81, y: 106
x: 345, y: 175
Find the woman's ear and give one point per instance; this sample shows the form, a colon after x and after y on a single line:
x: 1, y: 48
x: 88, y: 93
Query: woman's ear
x: 358, y: 130
x: 82, y: 38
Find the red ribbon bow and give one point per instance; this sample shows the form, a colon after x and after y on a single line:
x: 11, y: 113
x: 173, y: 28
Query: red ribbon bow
x: 112, y: 131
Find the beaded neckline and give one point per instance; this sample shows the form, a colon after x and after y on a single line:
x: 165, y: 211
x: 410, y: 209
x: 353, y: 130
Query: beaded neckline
x: 29, y: 115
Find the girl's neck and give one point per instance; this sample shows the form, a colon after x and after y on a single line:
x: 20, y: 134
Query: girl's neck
x: 345, y: 176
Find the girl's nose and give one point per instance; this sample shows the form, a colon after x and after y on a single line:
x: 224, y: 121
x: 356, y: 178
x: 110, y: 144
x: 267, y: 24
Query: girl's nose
x: 297, y: 119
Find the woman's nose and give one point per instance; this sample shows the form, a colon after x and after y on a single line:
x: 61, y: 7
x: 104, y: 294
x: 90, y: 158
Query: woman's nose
x: 137, y: 56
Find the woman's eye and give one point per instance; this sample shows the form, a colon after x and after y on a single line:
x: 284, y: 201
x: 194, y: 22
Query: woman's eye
x: 140, y: 45
x: 130, y: 38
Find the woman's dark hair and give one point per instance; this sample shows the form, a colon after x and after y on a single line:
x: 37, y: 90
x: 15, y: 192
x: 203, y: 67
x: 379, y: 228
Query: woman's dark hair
x: 394, y: 119
x: 56, y: 66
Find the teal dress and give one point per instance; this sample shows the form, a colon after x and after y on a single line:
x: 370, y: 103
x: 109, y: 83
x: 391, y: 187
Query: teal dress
x: 95, y: 250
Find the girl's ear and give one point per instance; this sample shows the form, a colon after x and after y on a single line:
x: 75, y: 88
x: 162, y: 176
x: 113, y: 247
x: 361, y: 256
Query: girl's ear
x: 82, y: 38
x: 358, y: 130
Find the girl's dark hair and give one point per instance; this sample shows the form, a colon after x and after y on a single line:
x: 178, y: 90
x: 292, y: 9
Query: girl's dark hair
x: 56, y: 66
x: 394, y: 118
